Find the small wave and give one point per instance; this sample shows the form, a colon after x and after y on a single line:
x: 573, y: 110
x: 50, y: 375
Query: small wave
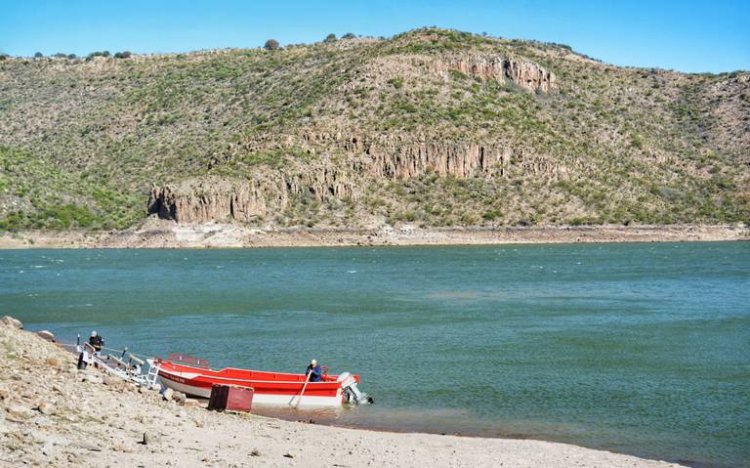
x: 454, y: 295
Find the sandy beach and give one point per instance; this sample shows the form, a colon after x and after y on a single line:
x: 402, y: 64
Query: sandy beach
x: 156, y: 233
x: 56, y: 415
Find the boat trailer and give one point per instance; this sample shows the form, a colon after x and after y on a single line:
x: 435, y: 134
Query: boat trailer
x: 129, y: 369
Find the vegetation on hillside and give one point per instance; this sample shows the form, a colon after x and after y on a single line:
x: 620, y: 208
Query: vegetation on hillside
x: 82, y: 142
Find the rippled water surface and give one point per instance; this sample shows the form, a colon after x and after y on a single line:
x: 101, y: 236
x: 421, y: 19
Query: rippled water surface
x: 637, y: 348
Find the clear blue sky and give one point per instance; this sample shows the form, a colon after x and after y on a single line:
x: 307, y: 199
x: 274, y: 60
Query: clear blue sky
x: 686, y: 35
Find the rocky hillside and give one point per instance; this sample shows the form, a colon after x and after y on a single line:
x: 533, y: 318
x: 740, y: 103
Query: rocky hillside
x: 432, y: 127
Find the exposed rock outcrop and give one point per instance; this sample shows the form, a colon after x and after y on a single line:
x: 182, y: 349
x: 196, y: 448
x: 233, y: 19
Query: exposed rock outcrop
x: 391, y: 157
x: 526, y: 74
x: 458, y: 159
x: 399, y: 157
x: 213, y: 199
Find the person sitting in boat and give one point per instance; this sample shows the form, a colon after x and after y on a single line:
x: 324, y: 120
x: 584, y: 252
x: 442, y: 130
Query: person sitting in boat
x: 314, y: 372
x: 96, y: 341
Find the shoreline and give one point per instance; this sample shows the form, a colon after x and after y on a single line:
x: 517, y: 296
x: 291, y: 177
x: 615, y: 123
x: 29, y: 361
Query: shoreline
x: 55, y: 415
x: 154, y: 233
x: 312, y: 417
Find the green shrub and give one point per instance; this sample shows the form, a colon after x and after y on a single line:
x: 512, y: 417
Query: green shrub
x: 397, y: 83
x: 457, y: 75
x: 492, y: 215
x: 271, y: 44
x: 636, y: 141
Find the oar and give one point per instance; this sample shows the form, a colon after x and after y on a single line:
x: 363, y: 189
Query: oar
x: 307, y: 379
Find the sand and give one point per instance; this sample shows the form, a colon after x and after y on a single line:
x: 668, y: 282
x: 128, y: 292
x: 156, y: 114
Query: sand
x: 156, y: 233
x: 55, y: 415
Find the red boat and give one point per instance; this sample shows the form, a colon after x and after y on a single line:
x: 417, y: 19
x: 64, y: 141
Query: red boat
x: 193, y: 377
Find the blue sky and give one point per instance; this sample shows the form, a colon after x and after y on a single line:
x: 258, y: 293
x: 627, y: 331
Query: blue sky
x: 687, y: 35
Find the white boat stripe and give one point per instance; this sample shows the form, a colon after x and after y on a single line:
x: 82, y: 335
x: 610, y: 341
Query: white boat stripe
x: 187, y: 375
x: 263, y: 399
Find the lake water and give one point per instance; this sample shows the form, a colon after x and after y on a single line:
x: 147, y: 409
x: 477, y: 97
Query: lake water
x: 637, y: 348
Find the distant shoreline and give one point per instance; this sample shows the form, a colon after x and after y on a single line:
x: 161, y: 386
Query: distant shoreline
x: 166, y: 234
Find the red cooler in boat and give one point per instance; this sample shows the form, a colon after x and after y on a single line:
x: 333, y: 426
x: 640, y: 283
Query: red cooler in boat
x: 231, y: 398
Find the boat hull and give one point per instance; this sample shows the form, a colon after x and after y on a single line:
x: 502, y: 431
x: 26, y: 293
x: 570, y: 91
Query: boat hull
x: 270, y: 389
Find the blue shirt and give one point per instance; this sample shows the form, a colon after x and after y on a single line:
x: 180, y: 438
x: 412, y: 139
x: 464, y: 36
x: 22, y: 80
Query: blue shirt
x: 315, y: 373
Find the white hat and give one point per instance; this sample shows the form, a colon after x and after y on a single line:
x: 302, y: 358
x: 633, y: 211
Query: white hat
x: 93, y: 333
x: 314, y: 362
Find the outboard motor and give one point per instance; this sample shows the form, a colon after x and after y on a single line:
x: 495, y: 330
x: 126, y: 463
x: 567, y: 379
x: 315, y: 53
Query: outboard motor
x: 351, y: 391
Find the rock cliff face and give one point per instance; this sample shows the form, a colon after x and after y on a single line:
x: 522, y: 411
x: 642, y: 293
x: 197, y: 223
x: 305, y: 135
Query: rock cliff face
x: 455, y: 159
x: 526, y: 74
x: 212, y: 199
x: 216, y: 198
x: 398, y: 158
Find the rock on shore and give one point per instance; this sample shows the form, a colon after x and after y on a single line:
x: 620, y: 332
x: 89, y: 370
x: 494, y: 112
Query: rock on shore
x: 54, y: 415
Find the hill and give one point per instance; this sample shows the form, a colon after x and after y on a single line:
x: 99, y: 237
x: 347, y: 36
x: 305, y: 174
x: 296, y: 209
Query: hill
x: 433, y: 127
